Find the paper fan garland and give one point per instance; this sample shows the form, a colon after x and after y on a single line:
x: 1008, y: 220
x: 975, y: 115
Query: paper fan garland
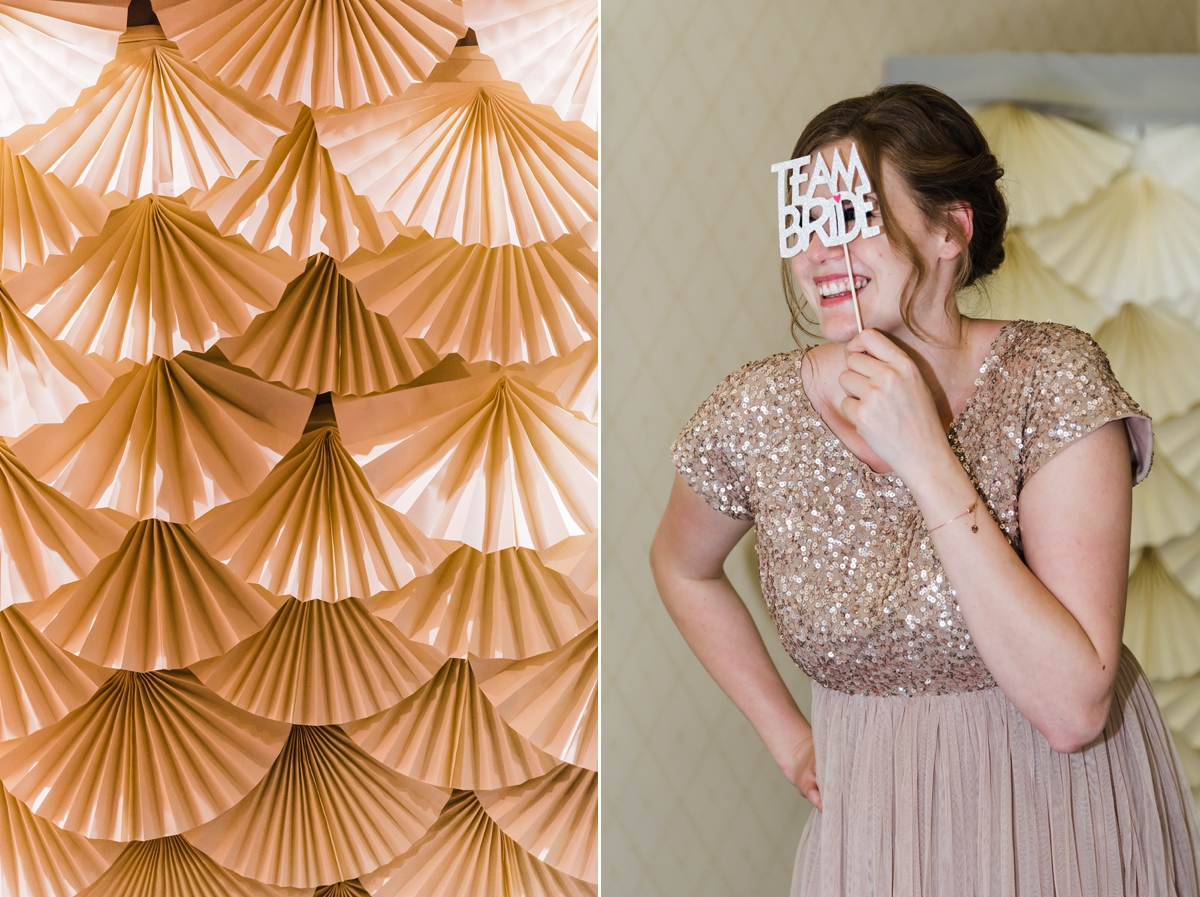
x: 151, y: 754
x: 577, y: 558
x: 1182, y: 557
x: 554, y: 818
x: 1162, y: 622
x: 325, y: 812
x: 1179, y: 439
x: 506, y: 304
x: 503, y: 604
x: 170, y: 439
x: 1153, y: 352
x: 551, y: 47
x: 467, y: 156
x: 550, y: 699
x: 157, y: 280
x: 1180, y: 703
x: 318, y: 663
x: 352, y: 888
x: 574, y: 379
x: 1165, y: 506
x: 344, y: 53
x: 1171, y: 153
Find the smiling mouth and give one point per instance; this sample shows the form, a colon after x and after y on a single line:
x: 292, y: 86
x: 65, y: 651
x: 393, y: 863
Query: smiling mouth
x: 837, y: 289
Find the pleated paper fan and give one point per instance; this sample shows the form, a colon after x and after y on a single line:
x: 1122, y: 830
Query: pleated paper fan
x: 1050, y: 164
x: 160, y: 603
x: 490, y: 461
x: 318, y: 663
x: 1153, y: 352
x: 322, y: 338
x: 551, y: 699
x: 554, y: 817
x: 1189, y: 759
x: 46, y: 540
x: 551, y: 47
x: 578, y: 558
x: 467, y: 855
x: 1165, y: 506
x: 1179, y: 439
x: 325, y: 812
x: 344, y: 53
x: 1180, y: 703
x: 1182, y: 558
x: 467, y: 156
x: 314, y: 529
x: 574, y: 379
x: 506, y: 303
x: 155, y: 123
x: 1162, y: 621
x: 1137, y: 240
x: 503, y: 604
x: 352, y: 888
x: 151, y: 754
x: 170, y: 439
x: 449, y: 734
x: 1173, y: 153
x: 157, y: 280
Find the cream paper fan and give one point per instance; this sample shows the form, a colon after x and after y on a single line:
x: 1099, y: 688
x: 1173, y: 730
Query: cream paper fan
x: 160, y: 603
x: 325, y: 812
x: 41, y: 381
x: 157, y: 280
x: 343, y: 53
x: 1162, y: 621
x: 503, y: 604
x: 1189, y: 759
x: 551, y: 47
x: 551, y: 699
x: 155, y: 123
x: 506, y: 303
x: 318, y: 663
x: 467, y: 855
x: 466, y: 156
x: 170, y: 439
x: 1173, y: 153
x: 1180, y: 703
x: 1165, y: 506
x: 1137, y: 240
x: 1179, y: 439
x: 46, y: 540
x: 1182, y: 558
x: 1050, y: 164
x: 449, y: 734
x: 489, y: 460
x: 574, y: 379
x: 1153, y: 352
x: 578, y: 558
x: 554, y: 817
x: 321, y: 338
x: 151, y: 754
x: 314, y: 529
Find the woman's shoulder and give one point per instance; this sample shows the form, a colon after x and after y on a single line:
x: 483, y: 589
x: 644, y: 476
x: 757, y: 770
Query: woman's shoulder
x: 757, y: 381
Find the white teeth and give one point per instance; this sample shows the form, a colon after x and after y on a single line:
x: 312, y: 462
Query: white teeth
x: 835, y: 287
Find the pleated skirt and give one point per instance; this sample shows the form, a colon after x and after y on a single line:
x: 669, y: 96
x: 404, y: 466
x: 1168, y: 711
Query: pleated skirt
x: 959, y: 795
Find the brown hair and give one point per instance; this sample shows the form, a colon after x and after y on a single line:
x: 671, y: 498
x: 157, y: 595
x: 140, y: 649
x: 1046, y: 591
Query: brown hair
x: 939, y: 151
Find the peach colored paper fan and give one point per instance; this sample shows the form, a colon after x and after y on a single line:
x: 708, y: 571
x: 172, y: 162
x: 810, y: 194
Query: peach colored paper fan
x: 577, y: 558
x: 574, y: 379
x: 318, y: 663
x: 154, y: 123
x: 352, y: 888
x: 322, y: 338
x: 1182, y: 557
x: 1153, y: 352
x: 550, y: 47
x: 506, y: 304
x: 170, y: 439
x: 1173, y: 153
x: 1180, y: 703
x: 157, y: 280
x: 467, y: 855
x: 1162, y: 621
x: 1179, y: 439
x: 465, y: 155
x: 343, y: 53
x: 551, y: 699
x: 314, y: 529
x: 503, y: 604
x: 151, y: 754
x: 325, y: 812
x: 1165, y: 506
x: 554, y: 817
x: 160, y: 603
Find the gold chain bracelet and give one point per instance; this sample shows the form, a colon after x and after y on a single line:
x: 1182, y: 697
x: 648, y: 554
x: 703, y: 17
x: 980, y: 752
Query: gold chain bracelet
x: 973, y: 511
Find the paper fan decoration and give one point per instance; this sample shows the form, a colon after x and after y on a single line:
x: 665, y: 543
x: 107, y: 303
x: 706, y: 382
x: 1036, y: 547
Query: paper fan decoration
x: 550, y: 699
x: 1180, y: 703
x: 314, y: 529
x: 319, y: 663
x: 1172, y: 153
x: 352, y: 888
x: 1182, y: 557
x: 151, y: 754
x: 467, y: 156
x: 170, y: 439
x: 551, y: 47
x: 506, y: 303
x: 1165, y: 506
x: 326, y: 812
x: 343, y: 53
x: 155, y: 123
x: 554, y: 817
x: 578, y: 558
x: 160, y: 603
x: 46, y: 540
x: 449, y: 734
x: 321, y: 338
x: 1153, y: 352
x: 467, y: 855
x: 574, y: 379
x: 157, y: 280
x: 294, y: 200
x: 1162, y: 622
x: 1050, y: 164
x: 1179, y: 439
x: 490, y: 461
x: 1135, y: 241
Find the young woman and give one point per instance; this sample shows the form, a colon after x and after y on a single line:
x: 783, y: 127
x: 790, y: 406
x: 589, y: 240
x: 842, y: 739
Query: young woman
x: 942, y: 507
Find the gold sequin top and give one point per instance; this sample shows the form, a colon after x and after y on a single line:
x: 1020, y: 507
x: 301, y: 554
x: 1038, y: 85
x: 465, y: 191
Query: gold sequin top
x: 848, y: 569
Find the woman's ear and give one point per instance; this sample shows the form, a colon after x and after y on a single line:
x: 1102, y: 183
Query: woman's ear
x: 962, y: 215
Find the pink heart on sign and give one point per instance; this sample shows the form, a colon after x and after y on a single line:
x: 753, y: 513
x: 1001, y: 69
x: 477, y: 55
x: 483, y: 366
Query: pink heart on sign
x: 837, y: 197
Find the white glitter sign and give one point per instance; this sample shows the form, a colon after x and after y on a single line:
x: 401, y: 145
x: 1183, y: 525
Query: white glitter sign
x: 803, y: 214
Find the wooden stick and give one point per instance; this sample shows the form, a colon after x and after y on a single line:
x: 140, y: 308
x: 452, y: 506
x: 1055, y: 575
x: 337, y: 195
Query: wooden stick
x: 853, y: 291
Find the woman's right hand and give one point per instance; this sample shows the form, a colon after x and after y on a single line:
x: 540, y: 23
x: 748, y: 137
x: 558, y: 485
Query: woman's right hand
x: 801, y: 770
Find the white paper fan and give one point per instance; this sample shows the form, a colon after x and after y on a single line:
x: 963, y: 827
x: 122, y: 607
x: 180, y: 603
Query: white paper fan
x: 1180, y: 703
x: 1173, y: 153
x: 1179, y: 439
x: 1162, y: 621
x: 1153, y: 352
x: 1182, y: 557
x: 1165, y: 506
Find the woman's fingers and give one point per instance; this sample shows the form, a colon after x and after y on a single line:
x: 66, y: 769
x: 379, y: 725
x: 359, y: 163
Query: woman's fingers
x: 853, y: 383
